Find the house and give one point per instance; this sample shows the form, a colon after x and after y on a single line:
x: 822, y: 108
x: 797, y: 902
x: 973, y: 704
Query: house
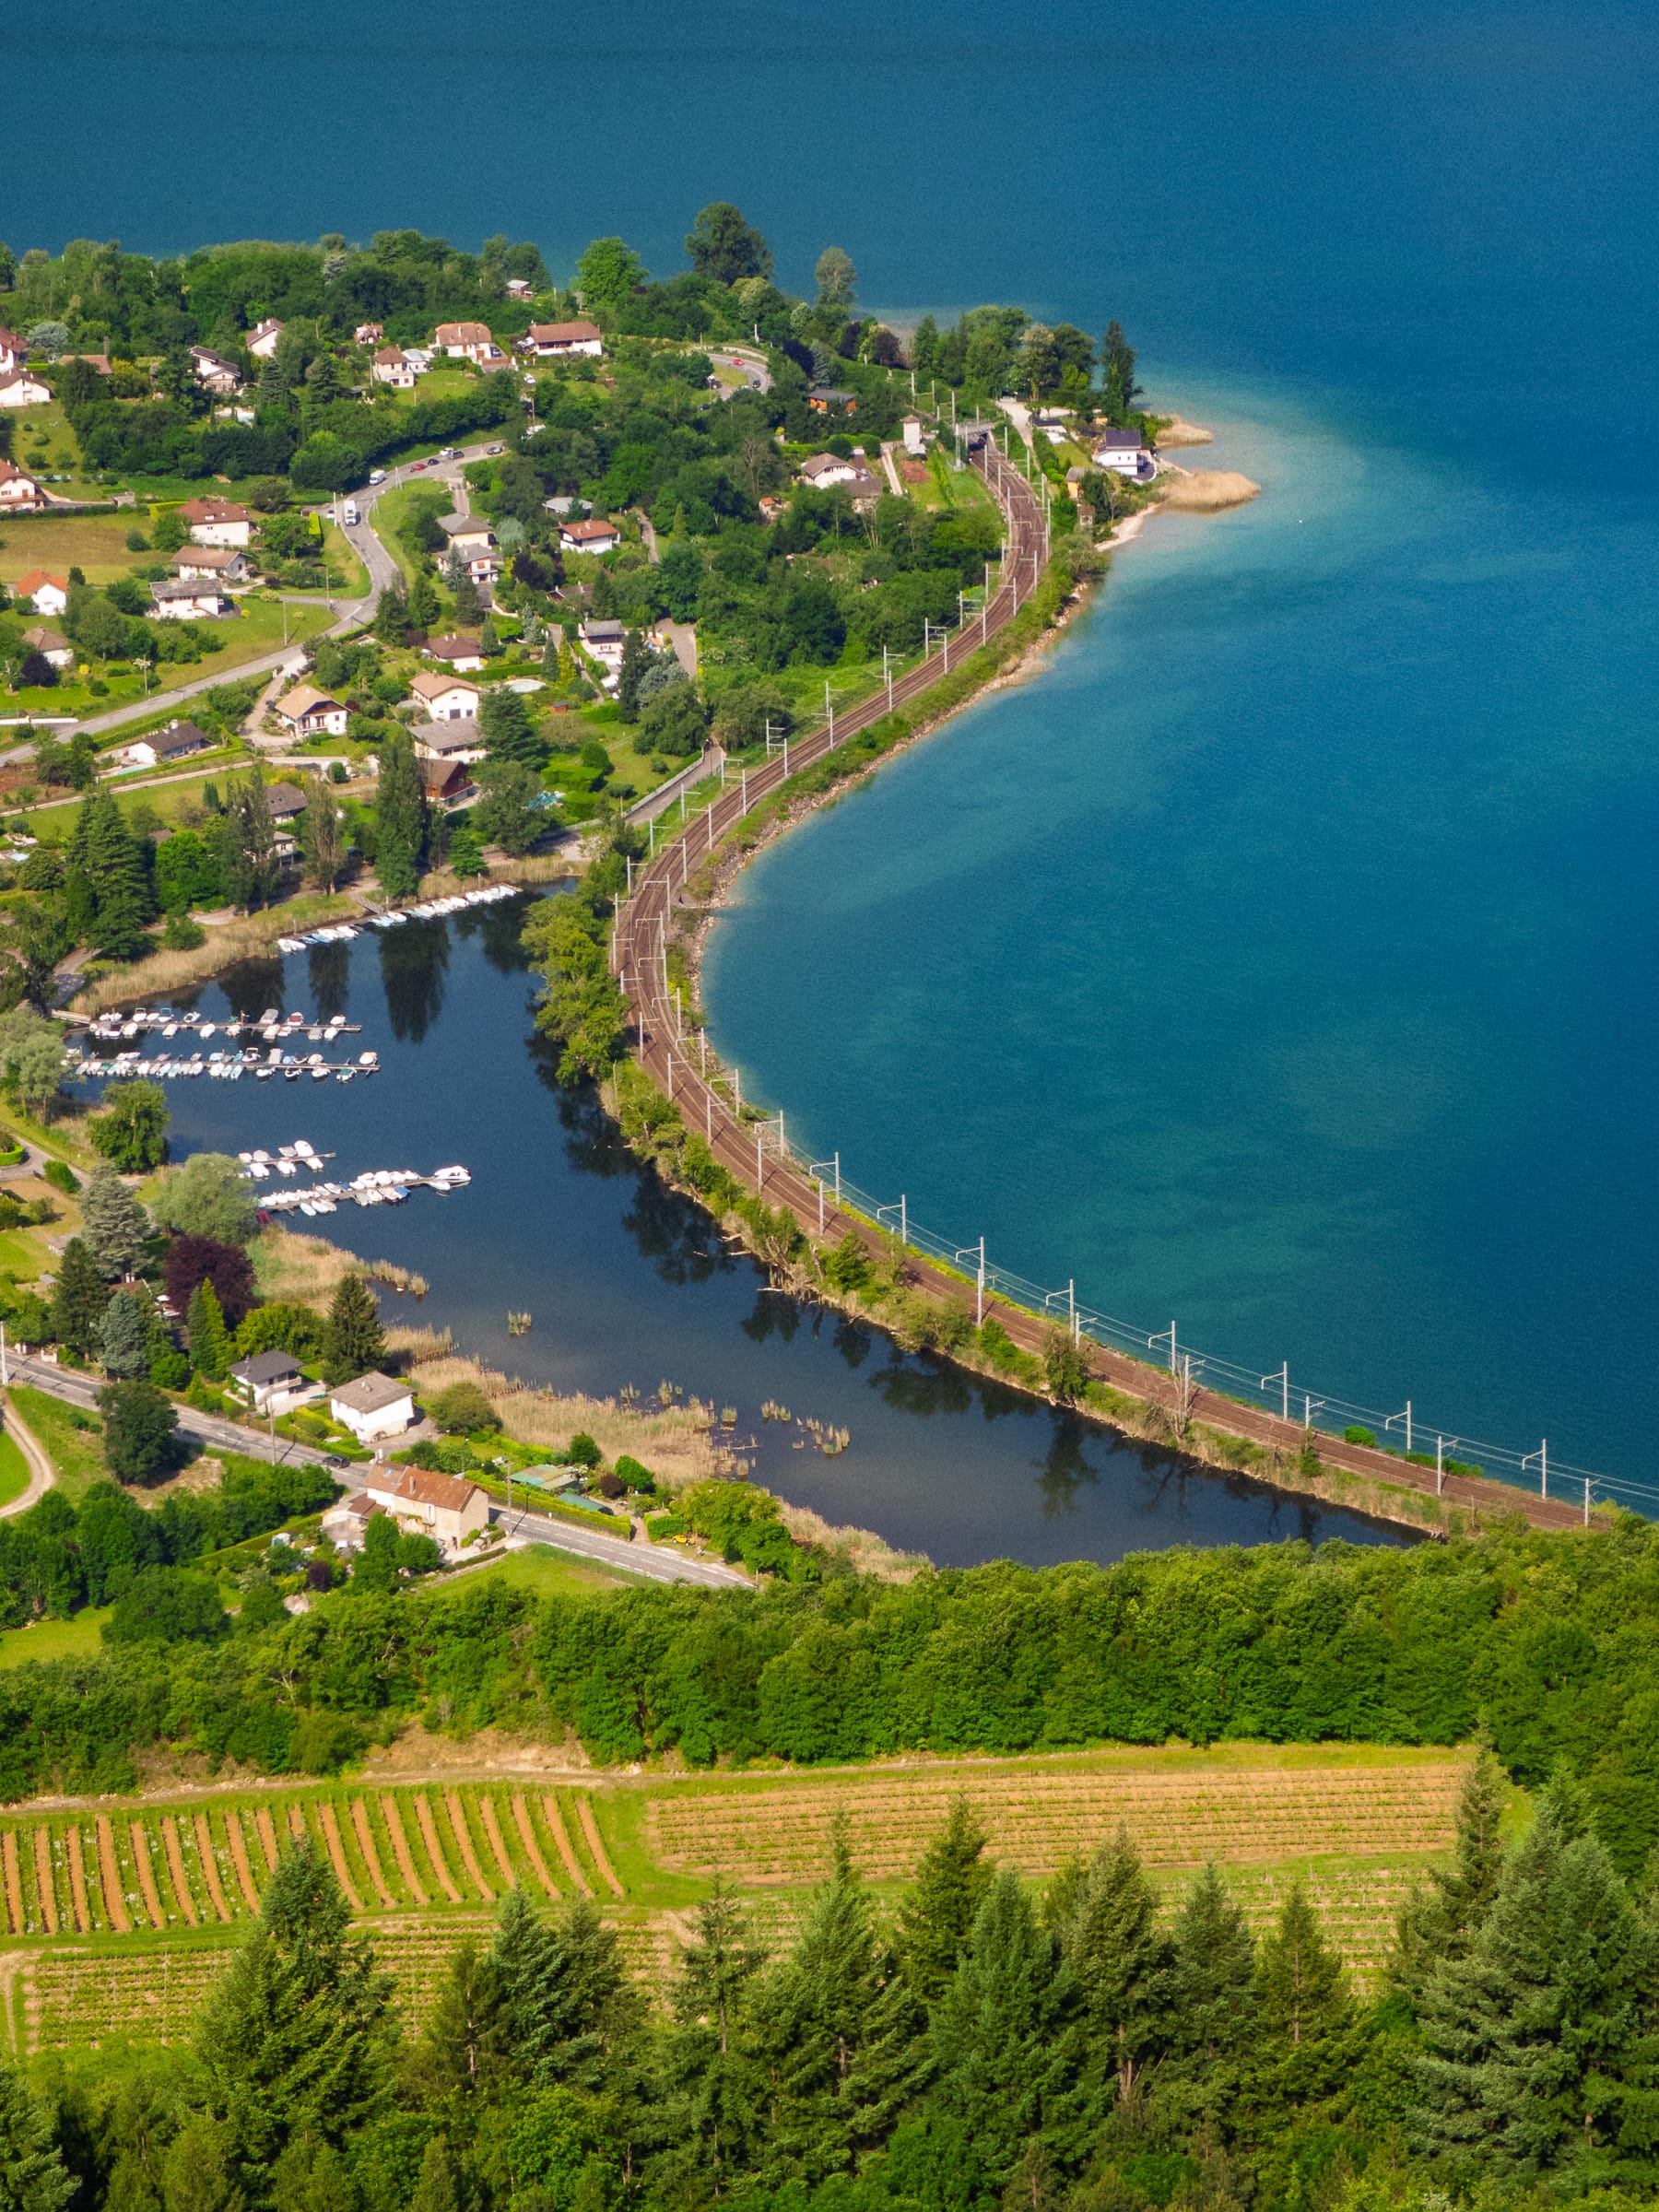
x: 212, y: 369
x: 344, y: 1523
x: 441, y: 1506
x: 286, y: 803
x: 101, y: 361
x: 215, y: 564
x: 270, y: 1382
x: 191, y: 600
x: 392, y: 366
x: 368, y: 334
x: 218, y: 521
x: 460, y: 652
x: 444, y: 698
x: 466, y: 533
x: 311, y: 714
x: 20, y: 492
x: 915, y: 436
x: 550, y: 340
x: 374, y: 1406
x: 1073, y: 487
x: 825, y: 469
x: 1124, y: 452
x: 589, y: 536
x: 466, y: 342
x: 14, y: 351
x: 485, y: 566
x: 47, y: 595
x: 50, y: 644
x: 824, y: 399
x: 162, y: 748
x: 866, y: 489
x: 263, y: 337
x: 458, y: 741
x: 604, y: 640
x: 446, y: 782
x: 21, y: 388
x: 519, y: 287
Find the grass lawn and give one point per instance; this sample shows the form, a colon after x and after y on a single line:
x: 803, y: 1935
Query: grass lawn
x: 392, y: 510
x: 170, y: 800
x: 259, y: 628
x: 94, y: 543
x: 23, y: 1259
x: 47, y: 426
x: 80, y: 1637
x: 76, y: 1454
x: 542, y: 1569
x: 14, y: 1470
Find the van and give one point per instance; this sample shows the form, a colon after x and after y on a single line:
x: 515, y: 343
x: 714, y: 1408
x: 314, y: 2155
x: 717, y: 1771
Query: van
x: 351, y: 515
x: 377, y: 476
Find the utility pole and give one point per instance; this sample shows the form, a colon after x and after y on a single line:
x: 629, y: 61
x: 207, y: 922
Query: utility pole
x: 887, y: 677
x: 1282, y: 1376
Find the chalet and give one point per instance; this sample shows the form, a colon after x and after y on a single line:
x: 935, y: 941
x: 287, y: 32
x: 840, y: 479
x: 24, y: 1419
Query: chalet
x: 459, y: 741
x: 22, y: 388
x: 444, y: 697
x: 270, y: 1382
x: 824, y: 399
x: 47, y: 595
x: 466, y: 342
x: 51, y: 644
x: 589, y: 536
x: 468, y: 533
x: 20, y: 492
x: 161, y: 749
x: 14, y: 351
x: 825, y: 469
x: 915, y: 436
x: 392, y: 366
x: 1124, y: 452
x: 447, y: 781
x: 311, y: 714
x: 551, y: 341
x: 187, y: 599
x: 216, y: 564
x: 429, y: 1504
x: 459, y: 651
x: 286, y: 803
x: 604, y: 641
x: 368, y: 334
x: 218, y: 521
x: 262, y: 338
x: 212, y: 369
x: 486, y: 565
x: 374, y: 1406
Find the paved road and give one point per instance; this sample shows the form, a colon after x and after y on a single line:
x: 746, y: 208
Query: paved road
x: 41, y: 1473
x: 656, y: 1562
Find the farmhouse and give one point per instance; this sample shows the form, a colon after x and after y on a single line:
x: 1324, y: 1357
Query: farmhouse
x: 549, y: 340
x: 50, y: 644
x: 444, y: 697
x: 394, y: 367
x: 187, y: 600
x: 344, y: 1523
x: 218, y: 521
x: 263, y: 337
x: 452, y: 742
x: 589, y: 536
x: 466, y: 342
x: 19, y: 388
x: 162, y: 748
x: 215, y: 564
x: 270, y: 1382
x: 441, y: 1506
x: 47, y: 595
x: 459, y: 651
x: 20, y: 492
x: 372, y: 1406
x: 368, y: 334
x: 311, y: 714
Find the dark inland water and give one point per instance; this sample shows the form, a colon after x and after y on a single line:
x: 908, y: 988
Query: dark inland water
x: 628, y: 1283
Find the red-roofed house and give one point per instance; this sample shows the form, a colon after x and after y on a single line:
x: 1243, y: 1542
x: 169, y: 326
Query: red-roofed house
x: 47, y: 595
x: 218, y: 521
x: 20, y: 492
x: 550, y: 340
x: 589, y: 536
x: 466, y: 342
x: 394, y: 367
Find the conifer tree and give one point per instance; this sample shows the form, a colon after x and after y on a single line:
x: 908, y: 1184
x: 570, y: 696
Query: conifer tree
x: 112, y: 1222
x: 424, y: 606
x: 295, y: 2039
x: 951, y: 1886
x: 123, y: 1337
x: 400, y: 818
x: 107, y: 884
x: 635, y: 661
x: 322, y: 835
x: 78, y: 1298
x: 1121, y: 1960
x: 1212, y: 1977
x: 1440, y: 1921
x: 32, y: 2178
x: 352, y: 1338
x: 1304, y: 2012
x: 437, y: 2189
x: 1007, y: 2037
x: 206, y: 1333
x: 713, y: 2081
x: 246, y: 840
x: 564, y: 1990
x: 467, y: 2048
x: 504, y: 724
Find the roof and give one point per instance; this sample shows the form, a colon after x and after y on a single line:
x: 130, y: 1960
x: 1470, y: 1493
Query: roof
x: 180, y: 587
x: 305, y: 699
x: 285, y: 799
x: 429, y: 684
x: 44, y: 640
x: 21, y: 376
x: 422, y: 1485
x: 563, y: 333
x: 831, y: 392
x: 9, y: 469
x: 453, y: 647
x: 209, y: 556
x: 387, y: 356
x: 821, y: 463
x: 589, y: 528
x: 214, y: 510
x: 26, y: 586
x: 178, y: 738
x: 370, y: 1394
x: 1131, y: 439
x: 266, y: 1368
x: 463, y: 736
x: 263, y: 329
x: 462, y: 334
x: 443, y: 777
x: 605, y: 629
x: 466, y: 525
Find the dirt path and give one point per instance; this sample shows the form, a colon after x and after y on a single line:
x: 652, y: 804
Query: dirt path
x: 429, y: 1831
x: 147, y: 1875
x: 590, y: 1829
x: 45, y: 1888
x: 520, y: 1820
x: 336, y: 1854
x: 565, y: 1850
x: 182, y: 1893
x: 365, y: 1836
x: 109, y: 1869
x: 239, y: 1859
x: 492, y: 1828
x: 14, y: 1883
x: 464, y: 1844
x: 267, y: 1837
x: 216, y: 1889
x: 401, y: 1851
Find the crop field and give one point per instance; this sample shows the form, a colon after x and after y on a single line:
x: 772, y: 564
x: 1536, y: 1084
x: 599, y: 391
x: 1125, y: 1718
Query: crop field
x: 120, y: 1917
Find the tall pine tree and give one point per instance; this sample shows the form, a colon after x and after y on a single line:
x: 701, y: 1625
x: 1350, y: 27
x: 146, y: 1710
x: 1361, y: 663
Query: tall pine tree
x: 113, y: 1221
x: 107, y: 890
x: 1441, y: 1920
x: 206, y: 1333
x: 564, y: 1990
x: 1121, y: 1960
x: 1304, y: 2015
x: 400, y: 819
x: 713, y: 2085
x: 936, y: 1917
x: 246, y: 839
x: 78, y: 1298
x: 1211, y: 1999
x: 353, y: 1341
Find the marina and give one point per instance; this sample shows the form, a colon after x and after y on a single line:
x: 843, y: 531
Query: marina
x: 430, y: 910
x: 374, y: 1186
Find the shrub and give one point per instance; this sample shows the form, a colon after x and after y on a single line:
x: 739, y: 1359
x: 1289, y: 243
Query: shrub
x: 140, y: 1431
x: 166, y: 1604
x: 1357, y: 1435
x: 61, y: 1177
x: 581, y: 1450
x: 609, y: 1485
x: 637, y: 1477
x: 461, y: 1407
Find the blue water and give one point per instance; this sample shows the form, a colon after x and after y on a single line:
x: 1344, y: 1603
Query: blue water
x: 1282, y: 960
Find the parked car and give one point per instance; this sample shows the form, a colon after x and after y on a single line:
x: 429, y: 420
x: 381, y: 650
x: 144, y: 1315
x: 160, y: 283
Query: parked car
x: 495, y: 448
x: 418, y: 465
x: 377, y: 476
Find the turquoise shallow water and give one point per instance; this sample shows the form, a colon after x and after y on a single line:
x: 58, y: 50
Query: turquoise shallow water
x: 1283, y: 959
